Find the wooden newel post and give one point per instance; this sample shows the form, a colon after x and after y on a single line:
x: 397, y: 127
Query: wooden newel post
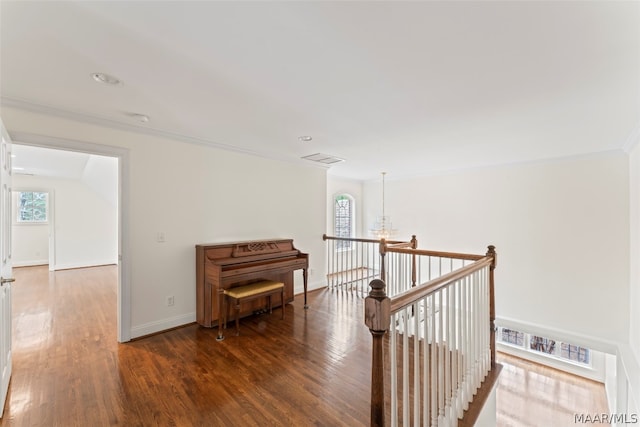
x: 377, y: 311
x: 492, y: 303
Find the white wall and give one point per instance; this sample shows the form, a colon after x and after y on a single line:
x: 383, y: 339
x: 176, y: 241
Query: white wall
x: 86, y: 224
x: 100, y: 175
x: 561, y: 229
x: 337, y: 185
x: 195, y: 194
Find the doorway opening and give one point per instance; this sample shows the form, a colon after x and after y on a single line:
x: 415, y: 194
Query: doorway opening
x: 93, y: 194
x: 65, y: 208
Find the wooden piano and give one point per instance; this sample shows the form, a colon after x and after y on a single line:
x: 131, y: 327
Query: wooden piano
x: 224, y: 265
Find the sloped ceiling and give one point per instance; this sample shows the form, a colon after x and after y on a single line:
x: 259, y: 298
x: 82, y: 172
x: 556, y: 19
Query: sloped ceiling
x: 404, y: 87
x: 28, y: 160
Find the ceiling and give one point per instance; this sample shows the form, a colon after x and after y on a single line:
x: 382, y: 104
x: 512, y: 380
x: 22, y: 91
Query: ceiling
x: 29, y: 160
x: 410, y: 88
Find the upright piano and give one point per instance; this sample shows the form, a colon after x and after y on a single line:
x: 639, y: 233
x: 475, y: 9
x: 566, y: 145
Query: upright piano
x: 221, y: 266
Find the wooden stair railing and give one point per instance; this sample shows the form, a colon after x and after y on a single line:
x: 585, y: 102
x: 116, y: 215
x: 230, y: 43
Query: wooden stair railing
x: 440, y: 336
x: 353, y: 262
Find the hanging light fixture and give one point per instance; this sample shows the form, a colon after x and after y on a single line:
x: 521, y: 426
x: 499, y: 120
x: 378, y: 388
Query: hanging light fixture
x: 382, y: 228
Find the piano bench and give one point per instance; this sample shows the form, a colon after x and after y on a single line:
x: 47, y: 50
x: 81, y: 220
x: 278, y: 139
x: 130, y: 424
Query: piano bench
x: 240, y: 294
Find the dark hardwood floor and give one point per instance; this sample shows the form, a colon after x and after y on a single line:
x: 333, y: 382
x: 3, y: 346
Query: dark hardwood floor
x: 312, y: 369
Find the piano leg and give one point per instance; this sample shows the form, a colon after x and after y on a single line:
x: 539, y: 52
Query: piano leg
x: 221, y: 313
x: 304, y: 278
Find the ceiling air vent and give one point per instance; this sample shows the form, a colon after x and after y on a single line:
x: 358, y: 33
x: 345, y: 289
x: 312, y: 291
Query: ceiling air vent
x: 323, y: 158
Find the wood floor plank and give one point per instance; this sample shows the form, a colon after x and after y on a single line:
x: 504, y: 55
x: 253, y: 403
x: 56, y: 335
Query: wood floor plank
x: 312, y: 369
x: 531, y: 395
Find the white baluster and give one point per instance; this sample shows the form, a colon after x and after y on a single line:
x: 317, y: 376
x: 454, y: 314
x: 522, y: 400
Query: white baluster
x: 468, y: 350
x: 441, y: 389
x: 425, y: 361
x: 416, y: 364
x: 458, y: 337
x: 393, y: 360
x: 405, y: 366
x: 434, y: 363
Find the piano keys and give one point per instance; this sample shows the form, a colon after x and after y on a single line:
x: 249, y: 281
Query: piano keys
x: 221, y: 266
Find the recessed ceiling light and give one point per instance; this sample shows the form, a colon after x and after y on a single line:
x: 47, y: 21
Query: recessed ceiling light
x: 106, y: 79
x: 305, y: 138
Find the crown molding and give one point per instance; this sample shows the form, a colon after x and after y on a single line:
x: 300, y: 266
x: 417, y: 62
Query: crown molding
x: 146, y: 130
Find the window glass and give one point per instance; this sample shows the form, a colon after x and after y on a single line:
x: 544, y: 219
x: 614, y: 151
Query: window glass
x: 549, y: 347
x: 543, y: 345
x: 32, y: 206
x: 575, y: 353
x: 343, y: 220
x: 512, y: 337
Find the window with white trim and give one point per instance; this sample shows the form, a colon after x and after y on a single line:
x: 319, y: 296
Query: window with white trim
x: 545, y: 346
x: 512, y: 337
x: 33, y: 207
x: 574, y: 353
x: 343, y: 219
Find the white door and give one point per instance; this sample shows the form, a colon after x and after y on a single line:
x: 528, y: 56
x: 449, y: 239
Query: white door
x: 5, y: 265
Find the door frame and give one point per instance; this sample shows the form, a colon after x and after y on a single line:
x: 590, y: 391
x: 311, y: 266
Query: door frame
x: 5, y: 267
x: 124, y: 256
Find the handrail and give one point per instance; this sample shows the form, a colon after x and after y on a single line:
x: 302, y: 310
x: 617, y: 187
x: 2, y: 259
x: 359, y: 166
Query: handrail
x: 401, y: 250
x: 457, y: 354
x: 358, y: 239
x: 411, y: 295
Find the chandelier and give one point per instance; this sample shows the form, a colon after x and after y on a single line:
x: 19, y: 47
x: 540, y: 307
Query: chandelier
x: 382, y: 228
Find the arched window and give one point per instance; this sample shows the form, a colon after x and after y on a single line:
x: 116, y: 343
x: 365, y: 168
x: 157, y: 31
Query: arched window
x: 343, y: 219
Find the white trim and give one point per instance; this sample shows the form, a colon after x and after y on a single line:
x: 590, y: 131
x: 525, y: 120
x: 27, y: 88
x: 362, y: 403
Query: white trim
x: 162, y: 325
x: 31, y: 263
x: 52, y: 230
x: 86, y: 264
x: 559, y: 335
x: 124, y: 257
x: 29, y: 189
x: 144, y: 129
x: 399, y: 176
x: 354, y: 224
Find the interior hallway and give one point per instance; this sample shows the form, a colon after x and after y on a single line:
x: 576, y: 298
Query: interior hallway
x: 69, y: 370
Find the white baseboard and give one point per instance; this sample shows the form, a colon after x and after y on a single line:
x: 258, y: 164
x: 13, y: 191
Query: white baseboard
x: 162, y: 325
x: 84, y: 264
x: 311, y: 286
x: 594, y: 343
x: 185, y: 319
x: 30, y: 263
